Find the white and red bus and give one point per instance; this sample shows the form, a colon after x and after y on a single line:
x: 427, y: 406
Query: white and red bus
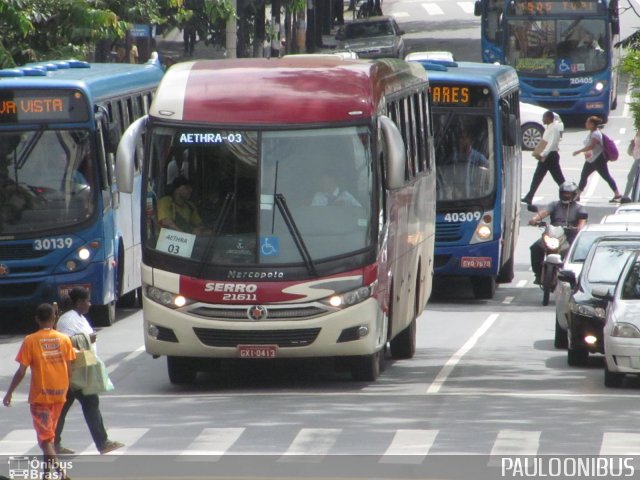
x: 314, y: 182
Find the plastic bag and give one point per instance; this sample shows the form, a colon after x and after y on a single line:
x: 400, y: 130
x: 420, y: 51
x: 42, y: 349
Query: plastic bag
x: 92, y: 380
x: 84, y: 358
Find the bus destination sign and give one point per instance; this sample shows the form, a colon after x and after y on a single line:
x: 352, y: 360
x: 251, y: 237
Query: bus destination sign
x: 552, y: 7
x: 453, y: 95
x: 42, y: 106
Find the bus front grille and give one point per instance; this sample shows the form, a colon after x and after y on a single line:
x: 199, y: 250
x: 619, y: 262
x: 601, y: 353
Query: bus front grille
x: 448, y: 232
x: 20, y: 252
x: 232, y: 338
x: 274, y: 313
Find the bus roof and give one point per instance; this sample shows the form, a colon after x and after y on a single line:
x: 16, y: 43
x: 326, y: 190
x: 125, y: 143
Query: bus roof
x: 292, y: 90
x: 99, y: 79
x: 503, y: 77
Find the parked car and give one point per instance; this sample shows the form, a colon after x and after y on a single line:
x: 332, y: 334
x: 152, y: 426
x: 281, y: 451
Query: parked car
x: 432, y: 55
x: 622, y: 326
x: 631, y: 207
x: 574, y: 260
x: 622, y: 217
x: 586, y: 318
x: 373, y: 37
x: 531, y: 126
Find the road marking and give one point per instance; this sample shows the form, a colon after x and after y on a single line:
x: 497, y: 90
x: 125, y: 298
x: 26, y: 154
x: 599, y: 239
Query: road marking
x: 516, y: 442
x: 432, y: 8
x: 467, y: 7
x: 214, y: 442
x: 138, y: 351
x: 413, y: 443
x: 521, y: 283
x: 18, y: 442
x: 400, y: 14
x: 620, y: 443
x: 128, y: 436
x: 316, y: 442
x: 508, y: 300
x: 455, y: 359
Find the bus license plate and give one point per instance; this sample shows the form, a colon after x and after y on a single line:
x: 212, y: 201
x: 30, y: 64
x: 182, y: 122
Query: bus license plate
x: 257, y: 351
x: 475, y: 262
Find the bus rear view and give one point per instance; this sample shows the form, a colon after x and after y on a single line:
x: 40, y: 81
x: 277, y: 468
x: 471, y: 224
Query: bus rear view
x: 283, y: 207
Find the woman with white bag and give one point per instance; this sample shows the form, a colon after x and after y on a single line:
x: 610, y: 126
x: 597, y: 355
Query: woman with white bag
x: 74, y: 324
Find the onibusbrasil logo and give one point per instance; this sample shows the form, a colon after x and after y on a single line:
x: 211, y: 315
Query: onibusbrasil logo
x: 34, y: 468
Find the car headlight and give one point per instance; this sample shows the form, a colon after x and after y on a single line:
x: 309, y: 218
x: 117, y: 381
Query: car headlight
x: 168, y: 299
x: 352, y: 297
x: 587, y: 310
x: 625, y: 330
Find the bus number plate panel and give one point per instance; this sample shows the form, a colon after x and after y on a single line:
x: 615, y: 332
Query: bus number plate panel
x: 257, y: 351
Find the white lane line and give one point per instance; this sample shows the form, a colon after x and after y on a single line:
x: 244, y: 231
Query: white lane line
x: 400, y: 14
x: 455, y: 359
x: 432, y: 8
x: 516, y: 442
x: 18, y: 442
x: 508, y: 300
x: 620, y: 443
x: 413, y: 443
x: 521, y: 283
x: 315, y: 442
x: 131, y: 356
x: 467, y: 7
x: 214, y: 442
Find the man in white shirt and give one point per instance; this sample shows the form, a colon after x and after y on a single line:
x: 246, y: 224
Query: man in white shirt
x: 548, y: 159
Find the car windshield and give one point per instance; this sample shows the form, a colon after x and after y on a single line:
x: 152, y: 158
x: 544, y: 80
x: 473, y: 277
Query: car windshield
x: 368, y: 29
x: 607, y: 263
x: 631, y: 283
x: 557, y: 46
x: 465, y: 160
x: 261, y: 197
x: 47, y: 180
x: 582, y: 245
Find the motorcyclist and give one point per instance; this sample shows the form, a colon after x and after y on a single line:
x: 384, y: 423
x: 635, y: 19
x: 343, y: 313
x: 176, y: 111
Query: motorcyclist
x: 565, y: 212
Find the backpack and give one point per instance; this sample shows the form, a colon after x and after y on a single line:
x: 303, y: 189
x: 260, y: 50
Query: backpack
x: 609, y: 148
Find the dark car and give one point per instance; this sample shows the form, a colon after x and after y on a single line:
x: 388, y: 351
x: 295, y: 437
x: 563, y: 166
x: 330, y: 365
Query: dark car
x: 587, y: 313
x: 373, y: 37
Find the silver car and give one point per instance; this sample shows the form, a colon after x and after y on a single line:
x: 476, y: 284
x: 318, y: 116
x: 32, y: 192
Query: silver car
x: 622, y: 327
x: 373, y: 37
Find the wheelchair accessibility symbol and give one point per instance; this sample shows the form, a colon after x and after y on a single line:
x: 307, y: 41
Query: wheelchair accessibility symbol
x: 270, y: 246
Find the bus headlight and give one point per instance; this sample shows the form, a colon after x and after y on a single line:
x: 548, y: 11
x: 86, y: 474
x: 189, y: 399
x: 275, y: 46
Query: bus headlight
x: 81, y: 257
x: 167, y: 299
x: 484, y: 229
x: 352, y: 297
x: 599, y: 86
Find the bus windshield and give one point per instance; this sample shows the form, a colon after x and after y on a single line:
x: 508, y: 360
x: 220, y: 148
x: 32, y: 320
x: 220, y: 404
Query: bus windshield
x: 465, y: 160
x: 261, y: 197
x: 47, y: 180
x: 557, y: 46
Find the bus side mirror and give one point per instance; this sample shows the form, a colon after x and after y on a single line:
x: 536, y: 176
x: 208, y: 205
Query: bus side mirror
x: 510, y: 130
x: 126, y: 154
x: 396, y: 154
x: 477, y: 8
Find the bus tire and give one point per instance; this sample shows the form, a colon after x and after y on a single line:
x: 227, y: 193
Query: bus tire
x: 366, y: 368
x: 483, y: 287
x: 403, y: 345
x: 103, y: 315
x: 132, y: 299
x: 181, y: 370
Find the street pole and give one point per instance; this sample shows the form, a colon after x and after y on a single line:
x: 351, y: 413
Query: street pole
x: 232, y: 33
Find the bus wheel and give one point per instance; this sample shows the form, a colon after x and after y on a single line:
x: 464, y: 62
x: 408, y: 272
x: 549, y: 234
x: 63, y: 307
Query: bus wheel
x: 182, y: 370
x: 366, y: 368
x: 132, y: 299
x: 483, y: 287
x: 103, y: 315
x: 404, y: 344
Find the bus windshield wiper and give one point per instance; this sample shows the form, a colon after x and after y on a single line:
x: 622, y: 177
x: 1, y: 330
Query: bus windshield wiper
x: 229, y: 198
x: 281, y: 203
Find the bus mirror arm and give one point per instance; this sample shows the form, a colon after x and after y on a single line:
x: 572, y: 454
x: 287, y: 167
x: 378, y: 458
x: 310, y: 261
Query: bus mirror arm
x: 125, y: 155
x: 510, y: 132
x: 395, y: 155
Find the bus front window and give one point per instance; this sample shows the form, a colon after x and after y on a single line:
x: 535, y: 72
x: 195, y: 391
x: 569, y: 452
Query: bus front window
x: 464, y: 155
x: 47, y: 180
x: 557, y: 46
x: 258, y: 193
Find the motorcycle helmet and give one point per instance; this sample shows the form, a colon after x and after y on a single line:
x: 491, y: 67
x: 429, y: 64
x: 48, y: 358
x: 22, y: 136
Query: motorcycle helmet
x: 568, y: 192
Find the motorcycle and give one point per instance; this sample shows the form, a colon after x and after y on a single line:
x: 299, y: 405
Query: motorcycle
x: 556, y: 241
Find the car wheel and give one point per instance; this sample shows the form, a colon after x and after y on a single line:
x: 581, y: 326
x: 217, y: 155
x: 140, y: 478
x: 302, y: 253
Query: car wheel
x: 531, y: 135
x: 560, y: 339
x: 612, y: 379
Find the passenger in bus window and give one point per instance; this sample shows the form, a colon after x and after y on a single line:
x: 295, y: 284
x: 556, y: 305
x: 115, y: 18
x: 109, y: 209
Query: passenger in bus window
x: 465, y: 153
x: 330, y: 193
x: 177, y: 212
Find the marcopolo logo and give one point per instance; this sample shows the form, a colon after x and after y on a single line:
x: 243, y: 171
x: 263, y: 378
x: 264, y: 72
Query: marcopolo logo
x: 32, y: 468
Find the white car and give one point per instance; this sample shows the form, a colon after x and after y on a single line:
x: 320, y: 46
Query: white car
x: 430, y: 55
x: 531, y: 125
x: 574, y: 260
x: 622, y: 217
x: 622, y: 327
x: 631, y: 207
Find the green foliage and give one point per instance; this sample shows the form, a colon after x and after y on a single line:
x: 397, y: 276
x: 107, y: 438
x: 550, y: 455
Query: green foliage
x: 631, y: 65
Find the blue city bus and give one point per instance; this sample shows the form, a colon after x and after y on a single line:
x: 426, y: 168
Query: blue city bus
x: 475, y: 116
x: 63, y: 222
x: 564, y: 51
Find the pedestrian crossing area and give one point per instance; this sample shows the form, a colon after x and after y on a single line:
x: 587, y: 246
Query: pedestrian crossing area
x: 399, y: 446
x: 433, y: 9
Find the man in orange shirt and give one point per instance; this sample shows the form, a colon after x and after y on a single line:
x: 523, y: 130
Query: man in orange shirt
x: 48, y: 354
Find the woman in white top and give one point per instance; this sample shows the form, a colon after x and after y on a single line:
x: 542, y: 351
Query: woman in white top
x: 594, y: 158
x: 71, y: 323
x: 634, y: 151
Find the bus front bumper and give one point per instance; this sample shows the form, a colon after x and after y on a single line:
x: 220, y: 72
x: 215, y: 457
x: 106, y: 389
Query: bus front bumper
x: 469, y: 260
